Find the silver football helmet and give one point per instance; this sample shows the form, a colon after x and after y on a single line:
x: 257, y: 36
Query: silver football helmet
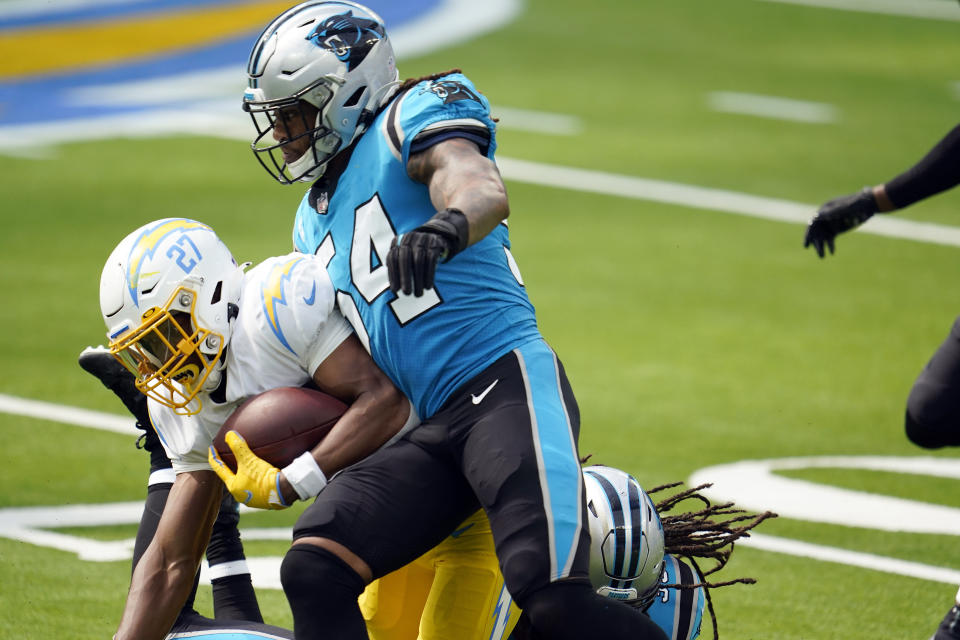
x: 168, y: 293
x: 331, y: 54
x: 626, y: 549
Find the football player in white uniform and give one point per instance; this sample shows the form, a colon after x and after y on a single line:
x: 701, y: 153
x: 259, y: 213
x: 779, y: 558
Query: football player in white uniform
x: 200, y: 335
x: 234, y: 599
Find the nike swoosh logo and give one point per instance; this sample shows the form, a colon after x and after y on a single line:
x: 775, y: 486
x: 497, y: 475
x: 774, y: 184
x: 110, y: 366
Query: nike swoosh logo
x: 249, y: 497
x: 313, y: 295
x: 460, y: 532
x: 483, y: 394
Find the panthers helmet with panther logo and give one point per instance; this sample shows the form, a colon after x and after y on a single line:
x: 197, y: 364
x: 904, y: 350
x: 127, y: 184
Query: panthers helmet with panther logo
x: 626, y: 549
x: 168, y: 293
x: 332, y: 54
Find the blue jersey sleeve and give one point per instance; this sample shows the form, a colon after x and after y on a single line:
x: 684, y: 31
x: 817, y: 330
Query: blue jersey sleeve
x: 435, y: 110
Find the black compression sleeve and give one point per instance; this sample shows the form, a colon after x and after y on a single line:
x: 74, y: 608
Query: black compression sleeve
x: 938, y: 171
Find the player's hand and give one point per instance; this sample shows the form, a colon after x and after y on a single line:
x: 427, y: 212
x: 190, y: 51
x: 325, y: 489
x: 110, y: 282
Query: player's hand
x: 256, y: 482
x: 413, y: 257
x: 839, y: 215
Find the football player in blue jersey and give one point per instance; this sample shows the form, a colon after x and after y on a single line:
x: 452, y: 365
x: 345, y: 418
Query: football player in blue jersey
x: 933, y: 405
x: 408, y: 211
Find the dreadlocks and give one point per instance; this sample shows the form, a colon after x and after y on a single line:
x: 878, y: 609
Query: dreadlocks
x: 708, y: 534
x: 409, y: 82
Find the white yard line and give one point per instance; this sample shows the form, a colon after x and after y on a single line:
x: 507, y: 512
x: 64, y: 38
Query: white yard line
x: 558, y: 124
x: 454, y: 22
x: 852, y: 558
x: 68, y: 415
x: 932, y: 9
x: 756, y: 485
x: 686, y: 195
x: 773, y: 107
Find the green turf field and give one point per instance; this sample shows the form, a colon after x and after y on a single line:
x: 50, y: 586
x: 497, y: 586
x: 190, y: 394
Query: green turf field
x: 692, y: 338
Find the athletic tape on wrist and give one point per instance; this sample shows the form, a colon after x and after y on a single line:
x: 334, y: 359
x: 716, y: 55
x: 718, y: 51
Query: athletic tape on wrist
x: 305, y: 476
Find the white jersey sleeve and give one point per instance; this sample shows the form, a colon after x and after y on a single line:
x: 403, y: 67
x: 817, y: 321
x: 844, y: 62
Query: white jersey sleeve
x: 287, y: 326
x: 186, y: 439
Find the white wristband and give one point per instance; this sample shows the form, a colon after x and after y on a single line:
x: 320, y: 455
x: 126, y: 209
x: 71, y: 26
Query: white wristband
x: 305, y: 476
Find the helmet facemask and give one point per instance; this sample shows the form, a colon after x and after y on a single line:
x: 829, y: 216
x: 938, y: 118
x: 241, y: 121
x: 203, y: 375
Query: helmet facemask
x: 170, y: 355
x: 168, y: 294
x: 302, y: 113
x: 333, y: 55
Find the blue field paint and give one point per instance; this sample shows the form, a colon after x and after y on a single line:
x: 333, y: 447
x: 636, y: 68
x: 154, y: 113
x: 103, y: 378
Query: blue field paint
x: 51, y: 96
x: 393, y: 13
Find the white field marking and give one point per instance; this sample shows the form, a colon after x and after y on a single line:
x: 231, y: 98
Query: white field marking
x: 754, y: 485
x: 219, y: 117
x: 934, y: 9
x: 206, y: 118
x: 14, y: 8
x: 740, y: 482
x: 710, y: 199
x: 184, y: 88
x: 558, y: 124
x: 67, y: 415
x: 774, y: 107
x: 29, y: 524
x: 454, y: 22
x: 207, y: 103
x: 852, y: 558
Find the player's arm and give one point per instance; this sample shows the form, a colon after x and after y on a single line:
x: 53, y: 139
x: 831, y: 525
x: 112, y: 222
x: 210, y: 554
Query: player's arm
x: 937, y: 171
x: 459, y: 176
x: 376, y: 408
x: 471, y: 200
x: 376, y: 411
x: 163, y: 578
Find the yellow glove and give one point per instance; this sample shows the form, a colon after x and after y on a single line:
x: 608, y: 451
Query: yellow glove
x: 256, y: 482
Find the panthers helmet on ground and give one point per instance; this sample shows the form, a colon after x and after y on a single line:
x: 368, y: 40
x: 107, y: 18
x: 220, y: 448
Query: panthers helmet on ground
x: 168, y: 292
x: 678, y: 610
x: 334, y: 55
x: 626, y: 550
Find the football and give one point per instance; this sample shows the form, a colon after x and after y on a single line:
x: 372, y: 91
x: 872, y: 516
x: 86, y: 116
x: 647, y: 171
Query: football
x: 280, y: 424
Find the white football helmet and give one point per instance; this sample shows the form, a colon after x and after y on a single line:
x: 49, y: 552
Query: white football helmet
x: 626, y: 548
x: 334, y: 55
x: 168, y: 293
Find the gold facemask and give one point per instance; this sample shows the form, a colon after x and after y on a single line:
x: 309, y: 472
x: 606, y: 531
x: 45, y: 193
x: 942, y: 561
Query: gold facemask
x: 163, y: 353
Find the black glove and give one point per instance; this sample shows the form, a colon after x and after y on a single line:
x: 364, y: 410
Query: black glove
x: 413, y: 257
x: 839, y: 215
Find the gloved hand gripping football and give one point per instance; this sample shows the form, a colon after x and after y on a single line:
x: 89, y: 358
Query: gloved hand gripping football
x: 256, y: 482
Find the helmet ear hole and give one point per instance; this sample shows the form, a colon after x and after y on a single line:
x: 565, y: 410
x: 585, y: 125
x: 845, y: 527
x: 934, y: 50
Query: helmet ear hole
x: 217, y: 291
x: 354, y: 99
